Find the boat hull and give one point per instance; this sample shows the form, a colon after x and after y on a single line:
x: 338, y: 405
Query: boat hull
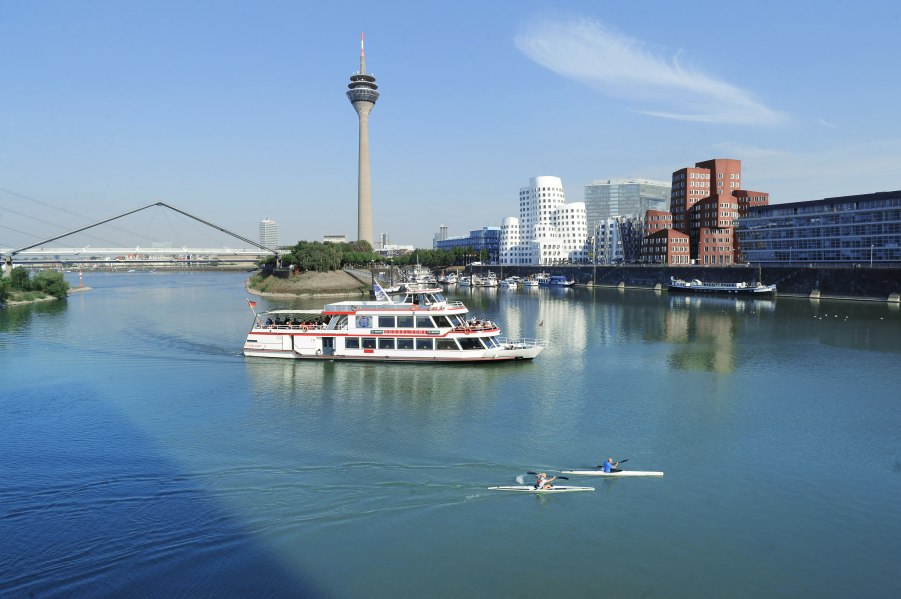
x: 306, y: 346
x: 766, y: 290
x: 453, y: 359
x: 532, y: 489
x: 623, y: 473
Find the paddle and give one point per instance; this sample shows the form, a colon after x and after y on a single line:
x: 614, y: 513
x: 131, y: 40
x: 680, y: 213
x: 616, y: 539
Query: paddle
x: 560, y: 477
x: 619, y: 462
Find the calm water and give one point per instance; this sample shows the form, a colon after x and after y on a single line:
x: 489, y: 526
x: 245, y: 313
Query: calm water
x: 142, y: 455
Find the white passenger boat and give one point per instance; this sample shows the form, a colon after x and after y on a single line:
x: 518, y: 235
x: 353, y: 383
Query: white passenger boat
x: 532, y: 489
x: 741, y: 288
x: 621, y: 473
x: 422, y: 327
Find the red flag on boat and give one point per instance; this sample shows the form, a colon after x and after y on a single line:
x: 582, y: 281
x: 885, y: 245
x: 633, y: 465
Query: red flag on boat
x: 252, y: 304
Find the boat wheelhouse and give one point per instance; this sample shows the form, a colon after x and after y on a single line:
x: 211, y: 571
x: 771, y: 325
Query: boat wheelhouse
x: 422, y: 327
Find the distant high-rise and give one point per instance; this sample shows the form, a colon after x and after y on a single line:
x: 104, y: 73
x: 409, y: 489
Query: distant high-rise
x: 363, y: 95
x: 269, y: 233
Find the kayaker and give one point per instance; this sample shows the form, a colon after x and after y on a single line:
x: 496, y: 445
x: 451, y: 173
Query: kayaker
x: 543, y: 482
x: 609, y: 466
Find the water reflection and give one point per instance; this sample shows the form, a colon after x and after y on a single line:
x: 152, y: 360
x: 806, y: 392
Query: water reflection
x: 18, y: 318
x: 705, y: 329
x: 419, y: 386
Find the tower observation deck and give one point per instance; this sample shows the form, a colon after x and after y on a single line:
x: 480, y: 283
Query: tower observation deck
x: 362, y: 93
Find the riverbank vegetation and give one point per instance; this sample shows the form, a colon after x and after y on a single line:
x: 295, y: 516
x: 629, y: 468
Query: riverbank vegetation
x: 324, y: 257
x: 308, y: 283
x: 21, y: 286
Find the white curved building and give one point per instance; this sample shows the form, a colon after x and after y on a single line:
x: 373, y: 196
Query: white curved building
x: 548, y: 230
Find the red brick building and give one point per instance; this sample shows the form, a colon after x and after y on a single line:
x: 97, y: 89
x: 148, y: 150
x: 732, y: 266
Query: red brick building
x: 705, y: 202
x: 666, y: 246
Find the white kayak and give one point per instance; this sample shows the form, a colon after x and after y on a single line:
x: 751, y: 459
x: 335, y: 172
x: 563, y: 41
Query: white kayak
x: 618, y: 474
x: 532, y: 489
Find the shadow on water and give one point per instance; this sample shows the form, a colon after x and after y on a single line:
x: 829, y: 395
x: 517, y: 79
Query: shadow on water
x: 90, y: 507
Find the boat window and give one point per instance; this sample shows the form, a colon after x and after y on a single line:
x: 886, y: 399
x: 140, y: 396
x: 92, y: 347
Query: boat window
x: 386, y: 343
x: 424, y: 321
x: 441, y: 321
x: 491, y: 342
x: 368, y: 342
x: 425, y: 344
x: 446, y: 344
x: 387, y: 322
x: 404, y: 344
x: 470, y: 343
x: 363, y: 322
x: 352, y: 343
x: 405, y: 322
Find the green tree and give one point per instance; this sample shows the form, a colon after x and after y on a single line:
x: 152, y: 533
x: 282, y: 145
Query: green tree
x: 362, y: 246
x: 19, y: 279
x: 4, y: 289
x: 52, y: 283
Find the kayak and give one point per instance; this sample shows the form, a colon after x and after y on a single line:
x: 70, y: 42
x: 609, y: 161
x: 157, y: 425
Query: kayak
x: 617, y: 474
x: 532, y: 489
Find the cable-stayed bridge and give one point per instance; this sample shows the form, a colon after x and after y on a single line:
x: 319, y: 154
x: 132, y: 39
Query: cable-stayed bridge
x: 158, y: 254
x: 136, y: 255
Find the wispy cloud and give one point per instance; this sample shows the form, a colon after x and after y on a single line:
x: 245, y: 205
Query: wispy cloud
x: 620, y: 66
x: 827, y: 124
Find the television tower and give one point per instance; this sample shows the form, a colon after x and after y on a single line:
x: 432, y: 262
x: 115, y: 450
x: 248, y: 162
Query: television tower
x: 362, y: 94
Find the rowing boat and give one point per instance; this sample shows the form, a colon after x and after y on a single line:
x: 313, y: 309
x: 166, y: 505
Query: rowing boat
x: 618, y: 474
x: 532, y: 489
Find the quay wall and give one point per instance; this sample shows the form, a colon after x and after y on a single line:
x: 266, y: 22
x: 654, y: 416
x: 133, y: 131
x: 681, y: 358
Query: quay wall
x: 882, y: 284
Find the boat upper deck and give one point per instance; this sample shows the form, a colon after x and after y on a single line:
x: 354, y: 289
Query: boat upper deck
x: 430, y: 299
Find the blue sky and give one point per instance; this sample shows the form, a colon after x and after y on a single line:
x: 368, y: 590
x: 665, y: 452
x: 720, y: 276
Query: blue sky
x: 235, y: 111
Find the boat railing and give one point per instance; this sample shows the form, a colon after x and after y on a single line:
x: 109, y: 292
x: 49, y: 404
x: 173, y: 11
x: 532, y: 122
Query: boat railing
x: 480, y: 325
x: 292, y: 327
x: 407, y: 306
x: 521, y: 342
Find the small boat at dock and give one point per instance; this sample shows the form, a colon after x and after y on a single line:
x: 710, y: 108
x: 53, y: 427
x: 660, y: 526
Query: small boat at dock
x: 740, y: 288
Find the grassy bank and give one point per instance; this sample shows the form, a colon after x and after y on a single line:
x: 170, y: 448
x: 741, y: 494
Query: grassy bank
x: 309, y: 283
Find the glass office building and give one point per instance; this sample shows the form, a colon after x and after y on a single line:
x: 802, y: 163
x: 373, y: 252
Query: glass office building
x: 860, y: 230
x: 609, y: 198
x: 487, y: 239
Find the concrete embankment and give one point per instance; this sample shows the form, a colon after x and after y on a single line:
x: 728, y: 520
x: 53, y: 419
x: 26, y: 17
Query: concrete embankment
x: 879, y: 284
